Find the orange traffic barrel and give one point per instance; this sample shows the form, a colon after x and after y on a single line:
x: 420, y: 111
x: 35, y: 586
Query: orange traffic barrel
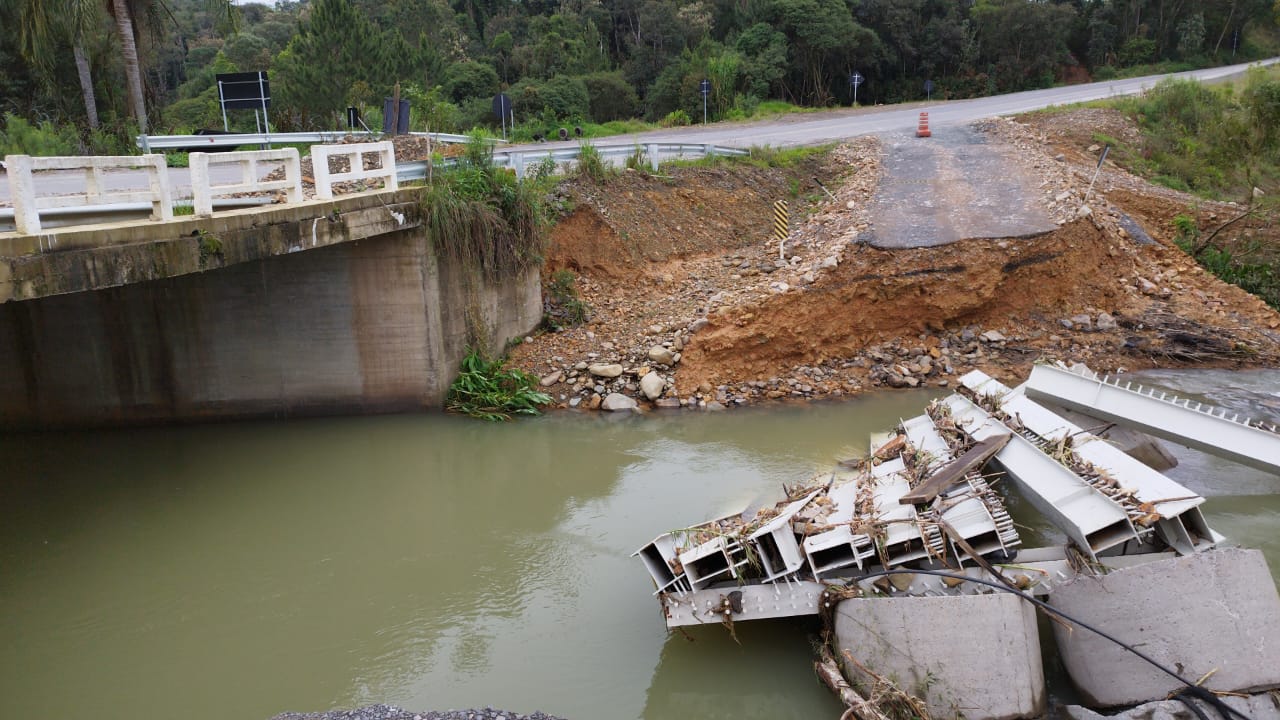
x: 922, y: 130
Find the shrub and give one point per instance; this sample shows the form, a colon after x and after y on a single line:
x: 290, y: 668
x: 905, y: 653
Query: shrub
x: 610, y: 96
x: 591, y: 164
x: 561, y: 306
x: 19, y: 137
x: 675, y: 118
x: 485, y: 389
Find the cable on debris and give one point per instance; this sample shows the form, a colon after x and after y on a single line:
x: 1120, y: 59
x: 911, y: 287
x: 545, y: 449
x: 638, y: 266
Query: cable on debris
x: 1186, y: 695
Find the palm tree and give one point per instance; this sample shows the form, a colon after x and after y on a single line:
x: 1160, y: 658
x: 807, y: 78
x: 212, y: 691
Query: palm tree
x: 44, y: 22
x: 119, y: 10
x: 39, y: 31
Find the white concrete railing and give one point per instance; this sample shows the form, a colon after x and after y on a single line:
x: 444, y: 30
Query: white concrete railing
x: 203, y: 190
x: 21, y: 170
x: 354, y: 153
x: 86, y: 209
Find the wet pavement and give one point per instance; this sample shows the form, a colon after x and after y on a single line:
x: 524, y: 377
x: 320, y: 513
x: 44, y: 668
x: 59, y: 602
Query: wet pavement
x: 953, y: 186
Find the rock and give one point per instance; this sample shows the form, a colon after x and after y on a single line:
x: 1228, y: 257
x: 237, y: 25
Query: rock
x: 593, y: 403
x: 1106, y: 322
x: 698, y: 324
x: 662, y: 355
x: 809, y: 277
x: 976, y: 652
x: 1147, y: 287
x: 1060, y: 157
x: 1254, y: 707
x: 715, y: 406
x: 667, y: 403
x: 1066, y: 323
x: 1082, y: 322
x: 1212, y: 611
x: 603, y: 370
x: 656, y: 329
x: 1062, y: 197
x: 651, y: 385
x: 617, y: 402
x: 992, y: 336
x: 830, y: 261
x: 1084, y: 212
x: 551, y: 379
x: 575, y: 402
x: 1257, y: 192
x: 580, y: 366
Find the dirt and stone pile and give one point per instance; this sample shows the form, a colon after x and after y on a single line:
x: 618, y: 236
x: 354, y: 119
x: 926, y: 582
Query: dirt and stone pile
x: 689, y: 292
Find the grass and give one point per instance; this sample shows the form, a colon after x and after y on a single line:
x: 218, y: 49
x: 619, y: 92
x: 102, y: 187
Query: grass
x: 488, y: 390
x: 765, y: 156
x: 483, y: 218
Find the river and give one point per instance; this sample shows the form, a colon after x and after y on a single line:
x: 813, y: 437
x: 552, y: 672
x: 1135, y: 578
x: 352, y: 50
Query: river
x: 431, y: 562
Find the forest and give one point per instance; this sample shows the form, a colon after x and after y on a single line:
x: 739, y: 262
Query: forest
x: 86, y: 75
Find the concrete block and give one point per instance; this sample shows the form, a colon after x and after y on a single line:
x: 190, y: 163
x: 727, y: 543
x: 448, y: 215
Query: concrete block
x: 1256, y: 707
x: 976, y: 655
x: 1213, y: 611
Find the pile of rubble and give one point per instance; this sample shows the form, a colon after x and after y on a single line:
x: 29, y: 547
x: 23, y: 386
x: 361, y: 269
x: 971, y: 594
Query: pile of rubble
x: 902, y: 551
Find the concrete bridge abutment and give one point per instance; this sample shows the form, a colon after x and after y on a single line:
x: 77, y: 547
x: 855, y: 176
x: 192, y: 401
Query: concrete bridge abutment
x: 361, y: 326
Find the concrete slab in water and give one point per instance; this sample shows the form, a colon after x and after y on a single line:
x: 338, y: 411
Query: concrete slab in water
x: 1214, y: 611
x: 953, y: 186
x: 976, y: 655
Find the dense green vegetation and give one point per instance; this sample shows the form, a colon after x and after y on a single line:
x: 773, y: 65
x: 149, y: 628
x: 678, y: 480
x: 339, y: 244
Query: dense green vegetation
x: 123, y: 65
x: 488, y: 390
x: 1217, y: 141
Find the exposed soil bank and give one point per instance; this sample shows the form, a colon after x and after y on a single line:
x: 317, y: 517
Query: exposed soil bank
x: 685, y: 283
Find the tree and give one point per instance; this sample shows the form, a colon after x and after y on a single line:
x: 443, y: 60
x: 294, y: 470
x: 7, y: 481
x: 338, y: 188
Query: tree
x: 336, y: 50
x: 44, y: 23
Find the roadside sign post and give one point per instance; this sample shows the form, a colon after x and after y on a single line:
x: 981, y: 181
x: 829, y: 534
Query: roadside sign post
x: 1101, y: 159
x: 705, y: 87
x: 928, y: 89
x: 855, y: 80
x: 502, y: 108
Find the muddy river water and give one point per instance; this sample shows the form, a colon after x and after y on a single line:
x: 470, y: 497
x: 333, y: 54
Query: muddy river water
x: 241, y: 570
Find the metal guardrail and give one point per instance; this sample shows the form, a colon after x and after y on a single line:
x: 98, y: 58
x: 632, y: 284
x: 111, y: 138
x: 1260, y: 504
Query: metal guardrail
x: 519, y: 160
x: 150, y: 143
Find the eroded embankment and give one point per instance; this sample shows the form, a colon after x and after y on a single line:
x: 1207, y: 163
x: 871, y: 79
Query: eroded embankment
x: 717, y: 316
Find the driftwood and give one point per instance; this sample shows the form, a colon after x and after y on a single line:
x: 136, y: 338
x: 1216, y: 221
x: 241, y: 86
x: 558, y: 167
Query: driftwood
x: 954, y: 471
x: 891, y: 448
x: 829, y: 673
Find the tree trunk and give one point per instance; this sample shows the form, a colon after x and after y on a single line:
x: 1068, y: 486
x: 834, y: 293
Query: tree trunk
x: 132, y: 71
x: 86, y: 83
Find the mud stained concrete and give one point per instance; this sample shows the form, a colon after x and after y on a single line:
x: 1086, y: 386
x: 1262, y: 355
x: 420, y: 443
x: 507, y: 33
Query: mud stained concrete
x: 952, y: 186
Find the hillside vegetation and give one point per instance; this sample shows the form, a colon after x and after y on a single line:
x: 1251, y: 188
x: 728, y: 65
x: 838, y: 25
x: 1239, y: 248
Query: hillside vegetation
x: 74, y: 65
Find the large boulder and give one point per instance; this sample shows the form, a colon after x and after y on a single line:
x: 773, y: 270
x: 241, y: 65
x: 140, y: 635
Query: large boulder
x: 1214, y: 614
x: 651, y: 385
x: 973, y: 654
x: 605, y: 370
x: 618, y: 402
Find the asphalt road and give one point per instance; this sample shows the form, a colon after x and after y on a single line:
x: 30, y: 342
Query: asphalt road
x: 952, y: 186
x: 793, y: 130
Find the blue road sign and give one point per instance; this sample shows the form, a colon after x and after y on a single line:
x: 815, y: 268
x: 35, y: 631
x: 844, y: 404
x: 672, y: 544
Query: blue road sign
x: 705, y: 86
x: 855, y: 79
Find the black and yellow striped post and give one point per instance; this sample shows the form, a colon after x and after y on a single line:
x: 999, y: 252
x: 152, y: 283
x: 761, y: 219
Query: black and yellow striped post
x: 781, y: 221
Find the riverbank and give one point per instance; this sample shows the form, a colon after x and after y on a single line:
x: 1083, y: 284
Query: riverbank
x: 686, y: 286
x: 391, y: 712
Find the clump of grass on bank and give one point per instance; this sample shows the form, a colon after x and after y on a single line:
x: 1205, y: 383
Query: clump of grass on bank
x: 487, y: 390
x: 482, y: 217
x: 562, y: 307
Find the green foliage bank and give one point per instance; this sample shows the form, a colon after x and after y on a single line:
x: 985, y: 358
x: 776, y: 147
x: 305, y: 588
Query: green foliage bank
x: 132, y: 64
